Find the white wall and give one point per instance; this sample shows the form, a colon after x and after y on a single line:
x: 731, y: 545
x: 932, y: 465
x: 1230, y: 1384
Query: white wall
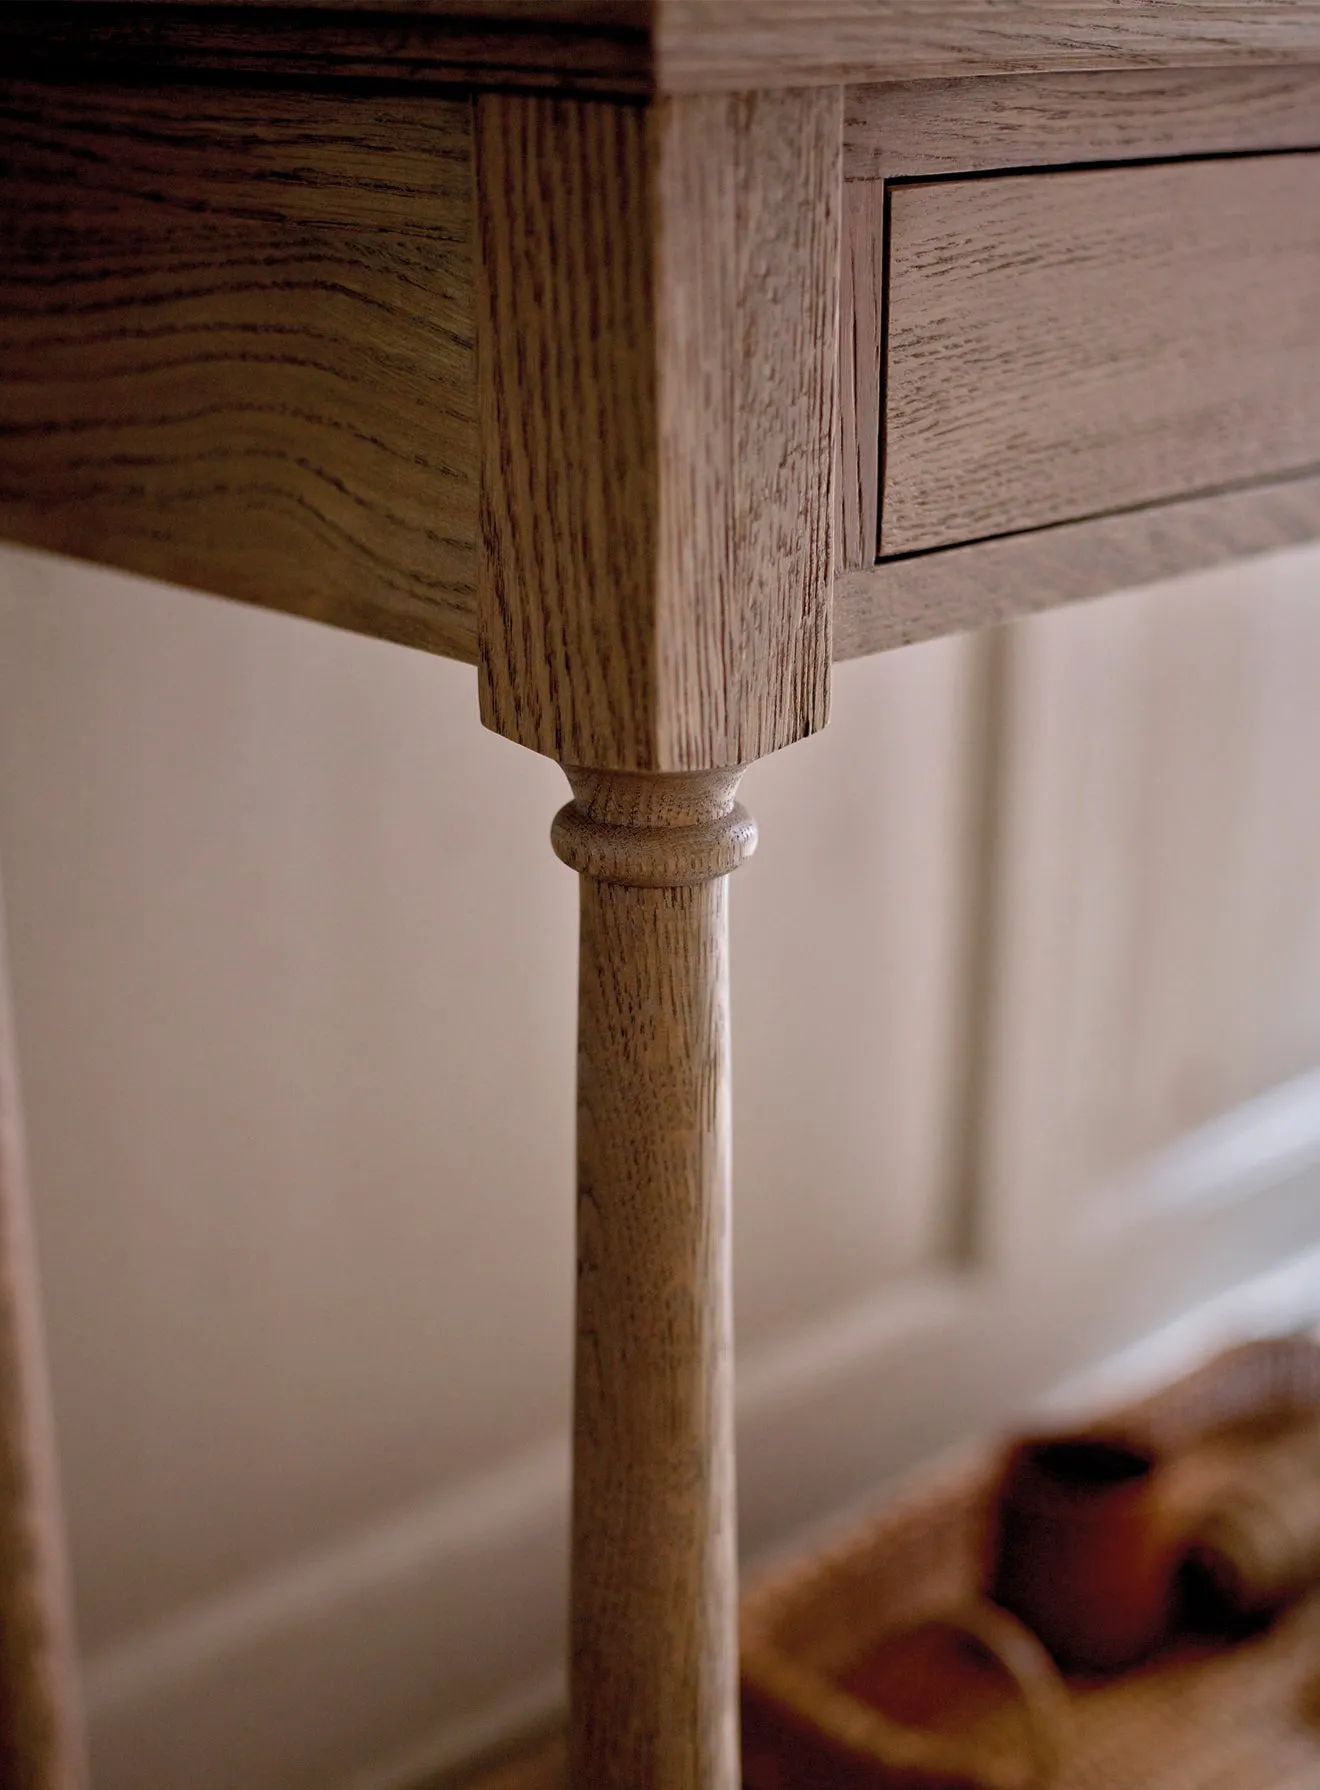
x: 294, y: 987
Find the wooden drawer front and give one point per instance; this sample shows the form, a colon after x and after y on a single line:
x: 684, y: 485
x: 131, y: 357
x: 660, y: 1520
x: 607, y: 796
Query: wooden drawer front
x: 1065, y: 344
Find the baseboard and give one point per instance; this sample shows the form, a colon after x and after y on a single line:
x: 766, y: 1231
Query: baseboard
x: 418, y: 1646
x: 453, y: 1747
x: 403, y: 1651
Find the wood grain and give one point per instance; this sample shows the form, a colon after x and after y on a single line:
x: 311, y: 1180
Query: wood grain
x: 551, y: 46
x: 668, y: 46
x: 861, y: 345
x: 236, y: 346
x: 908, y: 130
x: 701, y: 45
x: 906, y: 600
x: 1065, y: 344
x: 41, y: 1742
x: 898, y: 130
x: 657, y: 318
x: 654, y: 1602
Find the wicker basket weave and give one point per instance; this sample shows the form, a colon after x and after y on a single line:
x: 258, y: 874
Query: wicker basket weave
x: 1196, y: 1717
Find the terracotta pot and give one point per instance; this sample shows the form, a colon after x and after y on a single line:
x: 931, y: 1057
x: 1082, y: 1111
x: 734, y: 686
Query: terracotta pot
x: 1086, y: 1550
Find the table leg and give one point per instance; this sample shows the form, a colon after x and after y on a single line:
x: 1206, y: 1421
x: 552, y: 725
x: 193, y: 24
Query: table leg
x: 656, y: 335
x: 654, y: 1601
x: 40, y: 1733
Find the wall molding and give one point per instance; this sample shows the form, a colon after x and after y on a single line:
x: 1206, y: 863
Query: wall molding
x: 1244, y: 1152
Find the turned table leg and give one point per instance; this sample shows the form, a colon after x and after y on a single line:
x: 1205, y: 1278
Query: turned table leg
x: 41, y: 1745
x: 654, y: 1602
x: 656, y: 310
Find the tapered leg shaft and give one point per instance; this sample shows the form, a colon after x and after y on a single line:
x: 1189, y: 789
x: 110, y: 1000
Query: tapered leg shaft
x: 654, y: 1602
x: 41, y: 1741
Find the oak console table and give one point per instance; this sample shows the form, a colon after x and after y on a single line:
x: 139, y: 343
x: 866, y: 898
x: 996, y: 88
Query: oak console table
x: 650, y: 355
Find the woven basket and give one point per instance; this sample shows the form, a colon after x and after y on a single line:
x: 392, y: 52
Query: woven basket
x: 845, y: 1689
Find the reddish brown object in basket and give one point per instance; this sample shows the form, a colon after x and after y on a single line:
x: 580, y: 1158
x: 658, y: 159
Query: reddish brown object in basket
x: 1086, y: 1549
x: 1196, y: 1716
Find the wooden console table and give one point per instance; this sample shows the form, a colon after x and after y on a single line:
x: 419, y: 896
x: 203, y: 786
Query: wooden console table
x: 651, y: 356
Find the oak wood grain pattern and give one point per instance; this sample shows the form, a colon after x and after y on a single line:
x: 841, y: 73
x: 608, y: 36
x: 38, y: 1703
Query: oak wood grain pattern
x: 707, y: 44
x: 1065, y: 344
x: 747, y: 471
x: 861, y: 342
x: 893, y: 130
x: 634, y: 847
x: 654, y: 1600
x: 699, y: 45
x: 902, y: 130
x: 236, y: 347
x: 41, y: 1743
x: 657, y: 321
x: 567, y: 400
x: 902, y: 601
x: 552, y: 46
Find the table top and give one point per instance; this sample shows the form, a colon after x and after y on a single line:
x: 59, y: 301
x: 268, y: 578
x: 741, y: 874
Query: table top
x: 671, y: 45
x: 452, y: 303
